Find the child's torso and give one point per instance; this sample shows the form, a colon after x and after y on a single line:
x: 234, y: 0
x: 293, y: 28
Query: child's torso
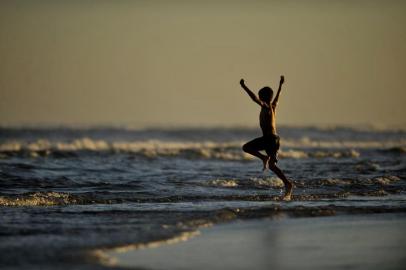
x: 267, y: 120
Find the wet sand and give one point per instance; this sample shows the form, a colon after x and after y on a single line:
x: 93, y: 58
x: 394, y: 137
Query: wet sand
x: 376, y: 241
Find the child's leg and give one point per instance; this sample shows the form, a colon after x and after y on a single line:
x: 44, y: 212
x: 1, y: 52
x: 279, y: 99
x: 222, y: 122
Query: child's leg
x: 253, y: 147
x: 281, y: 175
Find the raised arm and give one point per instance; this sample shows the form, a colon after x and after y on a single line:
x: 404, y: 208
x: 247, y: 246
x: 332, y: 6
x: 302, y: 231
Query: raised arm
x: 275, y: 100
x: 250, y: 93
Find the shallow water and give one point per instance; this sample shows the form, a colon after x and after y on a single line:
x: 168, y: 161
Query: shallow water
x: 345, y: 242
x: 64, y: 191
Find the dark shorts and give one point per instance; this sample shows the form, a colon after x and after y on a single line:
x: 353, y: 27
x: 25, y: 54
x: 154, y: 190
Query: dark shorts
x: 269, y: 143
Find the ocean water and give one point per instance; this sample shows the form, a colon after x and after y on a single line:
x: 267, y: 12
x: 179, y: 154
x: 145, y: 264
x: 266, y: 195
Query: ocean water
x: 66, y: 193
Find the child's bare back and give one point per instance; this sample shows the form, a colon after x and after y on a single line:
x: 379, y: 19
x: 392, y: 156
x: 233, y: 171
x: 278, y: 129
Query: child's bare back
x: 270, y: 139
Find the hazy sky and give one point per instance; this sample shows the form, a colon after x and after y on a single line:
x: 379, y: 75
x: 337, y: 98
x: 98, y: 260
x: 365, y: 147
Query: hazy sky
x: 150, y: 63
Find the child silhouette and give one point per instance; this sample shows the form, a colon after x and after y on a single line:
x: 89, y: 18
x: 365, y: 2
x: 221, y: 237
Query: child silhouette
x: 270, y: 139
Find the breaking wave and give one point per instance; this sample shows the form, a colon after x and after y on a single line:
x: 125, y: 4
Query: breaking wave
x: 252, y: 182
x: 275, y: 182
x: 43, y: 199
x: 306, y: 190
x: 206, y: 150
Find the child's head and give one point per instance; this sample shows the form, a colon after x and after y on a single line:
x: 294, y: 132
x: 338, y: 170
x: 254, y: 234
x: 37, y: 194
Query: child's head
x: 265, y: 94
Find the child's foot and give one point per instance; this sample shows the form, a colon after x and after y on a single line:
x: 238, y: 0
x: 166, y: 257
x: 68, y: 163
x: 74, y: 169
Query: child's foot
x: 288, y: 192
x: 265, y: 161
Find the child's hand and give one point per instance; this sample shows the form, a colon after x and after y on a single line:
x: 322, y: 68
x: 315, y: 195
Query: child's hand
x: 242, y: 82
x: 282, y: 79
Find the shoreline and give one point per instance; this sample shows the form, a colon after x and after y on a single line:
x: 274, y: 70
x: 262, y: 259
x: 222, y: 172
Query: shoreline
x: 368, y: 241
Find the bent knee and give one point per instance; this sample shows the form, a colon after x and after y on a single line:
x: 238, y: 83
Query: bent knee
x: 272, y: 163
x: 246, y: 148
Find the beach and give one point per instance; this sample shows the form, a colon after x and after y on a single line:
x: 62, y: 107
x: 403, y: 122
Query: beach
x: 71, y: 197
x: 341, y: 242
x: 163, y: 135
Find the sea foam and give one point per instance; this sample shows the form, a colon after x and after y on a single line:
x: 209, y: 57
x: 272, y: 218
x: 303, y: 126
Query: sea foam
x: 296, y: 149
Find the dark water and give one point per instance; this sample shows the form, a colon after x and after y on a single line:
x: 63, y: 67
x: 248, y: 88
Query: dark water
x: 66, y: 191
